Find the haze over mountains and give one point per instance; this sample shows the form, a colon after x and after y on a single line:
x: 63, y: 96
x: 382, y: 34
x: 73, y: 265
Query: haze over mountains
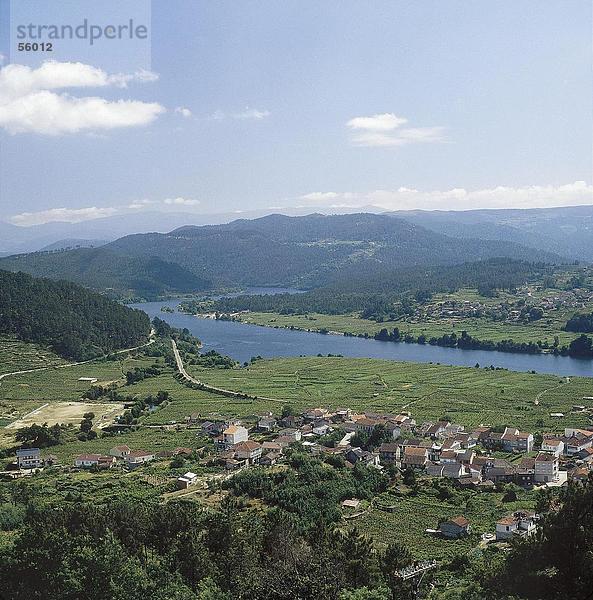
x: 567, y: 231
x: 307, y: 251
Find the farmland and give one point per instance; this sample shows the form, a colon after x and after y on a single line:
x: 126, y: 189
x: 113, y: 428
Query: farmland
x: 468, y: 395
x: 20, y: 356
x: 413, y: 514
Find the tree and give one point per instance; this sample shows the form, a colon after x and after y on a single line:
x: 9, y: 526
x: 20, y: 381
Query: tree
x: 40, y: 436
x: 394, y: 558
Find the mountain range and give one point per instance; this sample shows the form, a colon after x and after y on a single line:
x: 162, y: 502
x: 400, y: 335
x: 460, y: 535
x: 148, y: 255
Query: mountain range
x: 306, y: 251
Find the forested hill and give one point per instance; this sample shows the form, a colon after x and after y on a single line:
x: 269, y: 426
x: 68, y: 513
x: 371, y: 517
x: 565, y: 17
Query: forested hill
x: 307, y: 250
x: 75, y: 322
x: 351, y: 290
x: 101, y: 269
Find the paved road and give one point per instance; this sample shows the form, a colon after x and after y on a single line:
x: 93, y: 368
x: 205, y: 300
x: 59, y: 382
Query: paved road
x: 210, y: 388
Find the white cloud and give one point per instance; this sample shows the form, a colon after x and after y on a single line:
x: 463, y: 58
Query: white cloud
x: 77, y: 215
x: 28, y: 102
x: 252, y: 114
x: 383, y: 122
x: 385, y: 130
x: 404, y: 198
x: 184, y: 112
x: 68, y: 215
x: 181, y: 201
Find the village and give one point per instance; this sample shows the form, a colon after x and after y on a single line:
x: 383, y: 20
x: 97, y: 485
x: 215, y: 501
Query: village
x: 482, y: 458
x: 528, y: 306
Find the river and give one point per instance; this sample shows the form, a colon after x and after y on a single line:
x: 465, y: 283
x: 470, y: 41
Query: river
x: 241, y: 341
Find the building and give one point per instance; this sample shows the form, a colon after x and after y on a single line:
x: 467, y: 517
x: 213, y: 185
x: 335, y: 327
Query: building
x: 120, y: 451
x: 389, y: 452
x: 234, y: 434
x: 29, y: 458
x: 553, y: 445
x: 414, y: 458
x: 315, y: 413
x: 85, y: 461
x: 366, y: 425
x: 355, y: 455
x: 249, y: 450
x: 186, y: 480
x: 269, y: 459
x: 267, y: 423
x: 137, y: 458
x: 455, y: 527
x: 546, y: 468
x: 437, y: 429
x: 519, y: 523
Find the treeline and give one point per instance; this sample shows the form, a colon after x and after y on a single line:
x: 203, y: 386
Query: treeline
x: 582, y: 347
x: 75, y: 322
x: 374, y: 295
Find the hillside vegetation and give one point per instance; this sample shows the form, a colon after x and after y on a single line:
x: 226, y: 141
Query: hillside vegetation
x: 307, y: 251
x: 106, y: 270
x: 76, y: 323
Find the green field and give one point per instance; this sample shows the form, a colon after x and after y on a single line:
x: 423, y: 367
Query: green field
x: 414, y: 514
x: 470, y: 396
x: 481, y: 329
x: 20, y: 356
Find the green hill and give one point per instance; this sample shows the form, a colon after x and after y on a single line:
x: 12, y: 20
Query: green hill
x: 307, y: 251
x: 102, y: 269
x: 75, y: 322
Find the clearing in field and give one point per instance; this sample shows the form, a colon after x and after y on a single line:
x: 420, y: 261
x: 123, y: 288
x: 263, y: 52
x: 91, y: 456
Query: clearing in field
x: 69, y: 412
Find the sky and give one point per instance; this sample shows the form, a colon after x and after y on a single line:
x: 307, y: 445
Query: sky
x: 237, y: 106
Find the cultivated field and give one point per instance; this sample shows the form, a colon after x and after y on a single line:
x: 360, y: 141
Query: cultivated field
x: 20, y: 356
x: 482, y: 329
x: 412, y: 515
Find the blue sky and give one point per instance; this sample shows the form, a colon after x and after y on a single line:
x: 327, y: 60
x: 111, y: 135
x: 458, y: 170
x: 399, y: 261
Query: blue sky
x: 431, y: 104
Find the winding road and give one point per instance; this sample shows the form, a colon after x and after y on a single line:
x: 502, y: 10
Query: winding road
x: 210, y: 388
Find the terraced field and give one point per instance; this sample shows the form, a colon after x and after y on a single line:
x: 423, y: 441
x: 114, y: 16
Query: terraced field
x: 20, y: 356
x: 412, y: 515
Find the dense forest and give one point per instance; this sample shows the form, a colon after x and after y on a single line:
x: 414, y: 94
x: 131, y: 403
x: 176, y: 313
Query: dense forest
x: 580, y: 323
x: 105, y: 270
x: 75, y: 322
x: 293, y: 546
x: 374, y: 294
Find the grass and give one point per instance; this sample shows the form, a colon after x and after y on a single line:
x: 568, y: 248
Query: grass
x: 470, y: 396
x: 482, y: 329
x: 414, y: 514
x: 20, y: 356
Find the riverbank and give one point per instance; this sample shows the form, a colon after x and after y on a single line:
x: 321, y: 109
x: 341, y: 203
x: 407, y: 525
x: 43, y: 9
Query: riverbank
x: 355, y: 325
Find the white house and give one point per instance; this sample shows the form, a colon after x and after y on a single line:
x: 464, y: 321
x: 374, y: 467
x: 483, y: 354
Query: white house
x: 546, y: 468
x: 186, y: 480
x: 248, y: 450
x: 29, y: 458
x: 120, y: 451
x: 138, y: 457
x: 94, y: 460
x: 553, y: 445
x: 519, y: 523
x: 234, y: 434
